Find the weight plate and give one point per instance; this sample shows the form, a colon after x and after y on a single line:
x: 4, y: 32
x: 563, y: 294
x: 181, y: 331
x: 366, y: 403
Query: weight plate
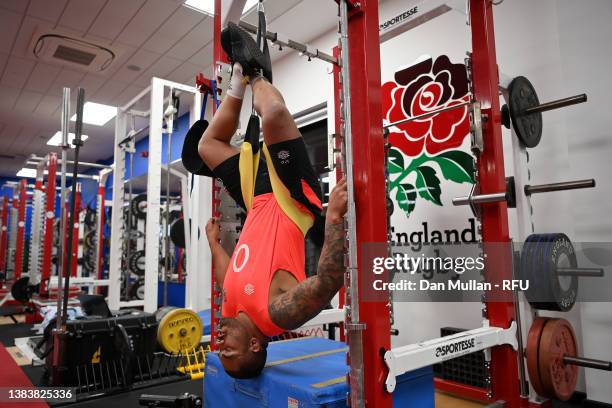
x: 179, y: 330
x: 136, y: 290
x: 533, y: 351
x: 22, y: 290
x: 522, y: 96
x: 138, y: 206
x: 177, y: 233
x: 528, y: 266
x: 558, y: 340
x: 136, y: 263
x: 189, y: 155
x: 89, y: 239
x: 563, y: 290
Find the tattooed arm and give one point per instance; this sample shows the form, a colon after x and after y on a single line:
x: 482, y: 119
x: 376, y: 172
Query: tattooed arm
x: 304, y: 301
x: 220, y: 258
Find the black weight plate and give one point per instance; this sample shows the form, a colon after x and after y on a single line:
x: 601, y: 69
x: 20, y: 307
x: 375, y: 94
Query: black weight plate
x: 530, y: 266
x: 526, y: 265
x: 138, y: 206
x: 189, y: 155
x: 542, y: 287
x: 177, y: 233
x: 136, y: 263
x: 522, y: 96
x: 562, y: 290
x: 22, y: 290
x: 136, y: 290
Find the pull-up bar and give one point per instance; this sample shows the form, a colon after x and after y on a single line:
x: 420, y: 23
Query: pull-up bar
x: 34, y: 158
x: 282, y: 41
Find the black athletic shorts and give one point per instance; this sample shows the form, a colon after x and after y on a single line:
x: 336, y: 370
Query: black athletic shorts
x: 291, y: 162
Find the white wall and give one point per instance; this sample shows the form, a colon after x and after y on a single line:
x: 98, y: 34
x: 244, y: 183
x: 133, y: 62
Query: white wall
x: 563, y: 47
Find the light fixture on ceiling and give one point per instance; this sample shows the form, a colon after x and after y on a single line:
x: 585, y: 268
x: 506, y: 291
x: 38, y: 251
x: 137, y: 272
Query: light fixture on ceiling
x: 96, y: 113
x: 27, y: 172
x: 56, y: 139
x: 208, y: 6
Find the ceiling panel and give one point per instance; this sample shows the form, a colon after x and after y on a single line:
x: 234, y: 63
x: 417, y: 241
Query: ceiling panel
x: 172, y: 30
x: 42, y: 77
x: 143, y: 59
x: 48, y: 105
x: 66, y: 78
x: 18, y: 6
x: 3, y: 60
x: 9, y: 134
x: 92, y: 83
x: 30, y: 26
x: 21, y: 145
x: 17, y: 71
x: 161, y: 68
x: 186, y: 70
x: 79, y: 14
x: 204, y: 56
x: 127, y: 95
x: 28, y: 101
x: 110, y: 91
x: 9, y: 26
x: 115, y: 15
x: 49, y: 10
x: 200, y: 35
x: 148, y: 20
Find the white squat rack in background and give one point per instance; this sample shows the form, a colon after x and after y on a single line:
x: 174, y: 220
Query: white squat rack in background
x: 199, y: 202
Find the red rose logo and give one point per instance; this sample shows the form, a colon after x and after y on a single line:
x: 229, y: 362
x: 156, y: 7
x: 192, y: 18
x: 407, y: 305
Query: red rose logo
x: 431, y: 143
x: 423, y: 88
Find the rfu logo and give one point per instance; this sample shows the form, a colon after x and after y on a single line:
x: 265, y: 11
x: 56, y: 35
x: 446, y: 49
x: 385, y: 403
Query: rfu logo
x: 284, y: 155
x: 249, y: 289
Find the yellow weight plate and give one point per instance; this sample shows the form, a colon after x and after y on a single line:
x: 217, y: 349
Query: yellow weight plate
x: 179, y: 330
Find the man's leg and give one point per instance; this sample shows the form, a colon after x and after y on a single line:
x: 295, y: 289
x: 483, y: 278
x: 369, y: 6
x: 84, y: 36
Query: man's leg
x: 214, y: 147
x: 277, y: 123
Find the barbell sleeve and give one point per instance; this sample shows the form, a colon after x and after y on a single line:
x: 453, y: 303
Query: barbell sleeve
x: 565, y: 185
x: 480, y: 199
x: 588, y: 363
x: 559, y: 103
x: 581, y: 272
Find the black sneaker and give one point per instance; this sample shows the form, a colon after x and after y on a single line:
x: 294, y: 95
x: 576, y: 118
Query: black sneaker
x: 241, y: 47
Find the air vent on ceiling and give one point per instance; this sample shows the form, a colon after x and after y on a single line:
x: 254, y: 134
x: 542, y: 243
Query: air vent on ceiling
x: 60, y: 48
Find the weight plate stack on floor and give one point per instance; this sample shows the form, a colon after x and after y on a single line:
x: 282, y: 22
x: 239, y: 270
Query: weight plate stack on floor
x: 549, y: 341
x: 541, y: 257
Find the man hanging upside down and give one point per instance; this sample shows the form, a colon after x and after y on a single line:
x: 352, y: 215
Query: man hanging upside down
x: 265, y: 290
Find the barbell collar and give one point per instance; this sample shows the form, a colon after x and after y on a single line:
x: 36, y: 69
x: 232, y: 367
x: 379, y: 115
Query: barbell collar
x: 426, y: 115
x: 588, y: 363
x: 565, y: 185
x: 480, y: 199
x: 559, y: 103
x: 581, y: 272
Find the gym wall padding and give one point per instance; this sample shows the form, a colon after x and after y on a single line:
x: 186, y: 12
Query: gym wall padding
x: 306, y: 372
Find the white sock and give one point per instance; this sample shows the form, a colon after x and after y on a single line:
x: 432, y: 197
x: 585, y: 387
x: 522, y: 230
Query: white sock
x: 237, y: 83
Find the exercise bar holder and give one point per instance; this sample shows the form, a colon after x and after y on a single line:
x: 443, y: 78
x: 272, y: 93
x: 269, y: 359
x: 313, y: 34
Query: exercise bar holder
x: 428, y: 114
x: 581, y: 272
x: 278, y: 39
x: 588, y: 363
x: 565, y: 185
x: 558, y: 104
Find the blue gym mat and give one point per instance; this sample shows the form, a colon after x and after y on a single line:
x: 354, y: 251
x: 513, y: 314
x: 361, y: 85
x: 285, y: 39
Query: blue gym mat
x: 304, y: 373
